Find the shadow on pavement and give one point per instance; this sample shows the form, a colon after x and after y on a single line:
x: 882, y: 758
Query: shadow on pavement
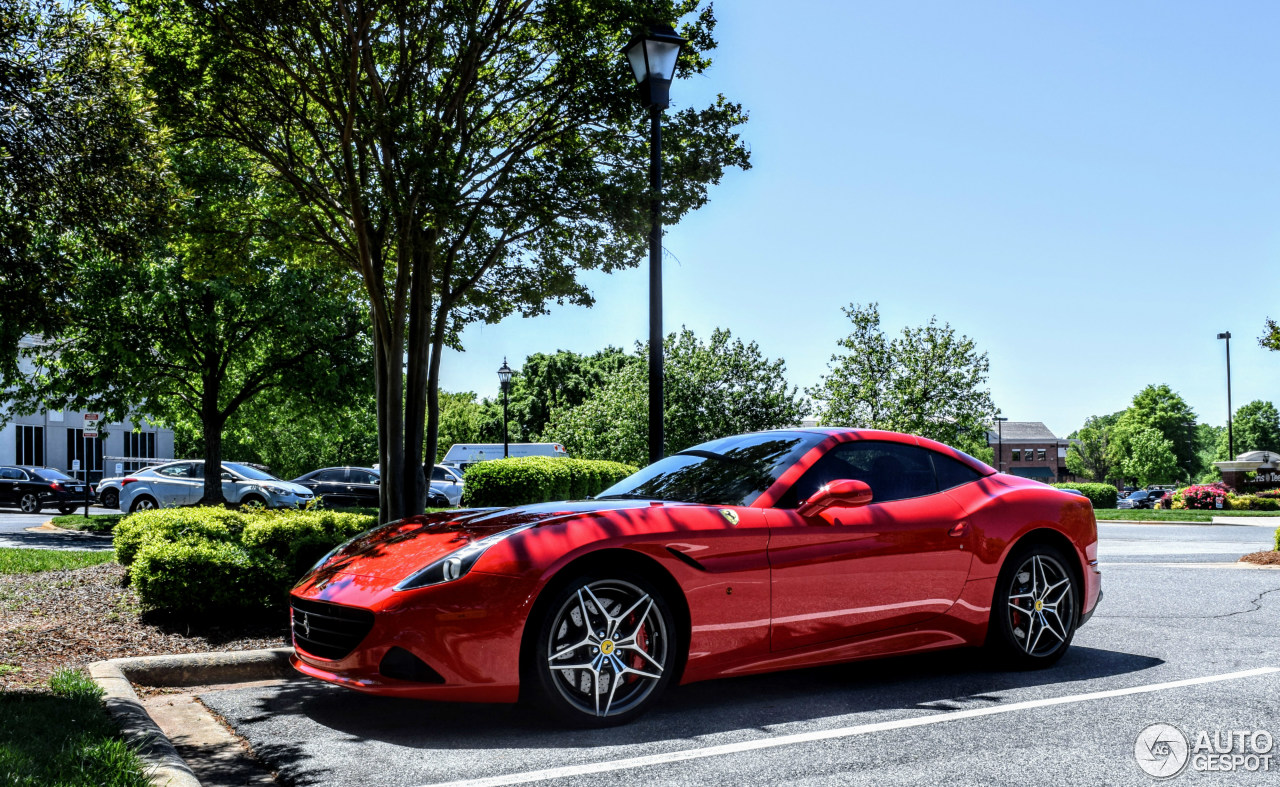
x: 934, y: 682
x: 47, y: 540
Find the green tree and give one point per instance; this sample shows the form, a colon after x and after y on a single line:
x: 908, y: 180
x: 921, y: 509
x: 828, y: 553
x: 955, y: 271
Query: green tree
x: 1256, y: 427
x: 464, y: 418
x: 80, y: 169
x: 1159, y: 407
x: 1089, y: 457
x: 711, y: 389
x: 1151, y: 458
x: 466, y: 159
x: 563, y: 380
x: 927, y: 381
x: 189, y: 342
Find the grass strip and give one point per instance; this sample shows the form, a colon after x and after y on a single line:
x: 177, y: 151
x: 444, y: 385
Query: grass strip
x: 29, y: 561
x: 64, y: 737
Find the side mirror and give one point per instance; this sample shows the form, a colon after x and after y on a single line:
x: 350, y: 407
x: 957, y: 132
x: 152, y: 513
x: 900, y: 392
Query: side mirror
x: 228, y: 477
x: 841, y: 493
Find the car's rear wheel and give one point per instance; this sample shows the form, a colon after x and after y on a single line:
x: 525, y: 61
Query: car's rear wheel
x: 1035, y: 611
x: 29, y: 503
x: 606, y: 650
x: 111, y: 499
x: 143, y: 503
x: 64, y: 510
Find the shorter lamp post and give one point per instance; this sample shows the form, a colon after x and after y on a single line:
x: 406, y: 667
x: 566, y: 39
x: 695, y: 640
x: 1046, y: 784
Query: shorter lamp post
x: 1000, y: 442
x: 504, y: 380
x: 1231, y: 438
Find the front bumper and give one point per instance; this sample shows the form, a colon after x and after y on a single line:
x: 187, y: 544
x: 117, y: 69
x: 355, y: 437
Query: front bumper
x: 289, y: 500
x: 468, y: 632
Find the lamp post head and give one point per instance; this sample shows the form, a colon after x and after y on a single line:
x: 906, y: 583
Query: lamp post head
x: 652, y: 53
x: 1225, y: 335
x: 504, y: 375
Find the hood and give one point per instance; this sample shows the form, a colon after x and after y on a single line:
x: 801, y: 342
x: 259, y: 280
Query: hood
x: 397, y: 549
x: 297, y: 489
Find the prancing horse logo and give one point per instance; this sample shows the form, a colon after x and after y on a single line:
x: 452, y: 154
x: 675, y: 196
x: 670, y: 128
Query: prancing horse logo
x: 306, y: 625
x: 730, y: 515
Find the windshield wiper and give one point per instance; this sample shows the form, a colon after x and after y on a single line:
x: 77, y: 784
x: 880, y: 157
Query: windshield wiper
x: 625, y: 496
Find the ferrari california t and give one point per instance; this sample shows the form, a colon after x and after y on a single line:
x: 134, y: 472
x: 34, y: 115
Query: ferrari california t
x: 748, y: 554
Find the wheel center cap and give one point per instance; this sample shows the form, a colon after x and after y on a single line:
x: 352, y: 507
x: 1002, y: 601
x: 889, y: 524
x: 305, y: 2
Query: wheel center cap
x: 607, y: 647
x: 1039, y: 606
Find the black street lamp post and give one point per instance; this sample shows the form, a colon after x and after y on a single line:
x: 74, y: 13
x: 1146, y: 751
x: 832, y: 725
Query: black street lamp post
x: 504, y: 381
x: 1231, y: 439
x: 652, y: 54
x: 1000, y: 443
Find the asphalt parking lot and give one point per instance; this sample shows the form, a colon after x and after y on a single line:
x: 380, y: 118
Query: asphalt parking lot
x: 14, y: 531
x: 1183, y: 637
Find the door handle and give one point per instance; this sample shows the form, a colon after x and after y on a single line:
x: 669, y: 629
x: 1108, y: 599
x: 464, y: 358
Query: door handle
x: 961, y: 529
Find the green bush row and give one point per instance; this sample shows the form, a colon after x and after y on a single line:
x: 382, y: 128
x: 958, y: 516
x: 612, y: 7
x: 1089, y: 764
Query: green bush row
x: 215, y: 560
x: 1236, y: 502
x: 1101, y: 495
x: 538, y: 479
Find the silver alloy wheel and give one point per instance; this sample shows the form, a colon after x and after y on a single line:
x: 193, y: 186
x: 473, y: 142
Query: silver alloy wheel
x: 29, y: 504
x: 608, y: 647
x: 143, y: 504
x: 1041, y: 605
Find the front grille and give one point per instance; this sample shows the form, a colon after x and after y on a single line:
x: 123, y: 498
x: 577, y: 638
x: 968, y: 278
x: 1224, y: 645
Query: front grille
x: 328, y: 630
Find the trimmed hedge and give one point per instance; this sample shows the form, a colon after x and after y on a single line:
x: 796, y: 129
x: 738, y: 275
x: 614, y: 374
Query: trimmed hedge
x: 538, y: 479
x: 211, y: 559
x: 1101, y: 495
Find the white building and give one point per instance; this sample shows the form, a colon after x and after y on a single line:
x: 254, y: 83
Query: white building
x: 54, y: 438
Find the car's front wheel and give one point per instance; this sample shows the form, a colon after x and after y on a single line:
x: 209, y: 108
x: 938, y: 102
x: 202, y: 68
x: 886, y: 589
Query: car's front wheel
x: 1033, y: 619
x: 29, y: 503
x: 606, y: 650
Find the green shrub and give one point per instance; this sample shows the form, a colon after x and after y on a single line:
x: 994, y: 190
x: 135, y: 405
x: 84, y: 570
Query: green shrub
x: 1101, y: 495
x: 207, y: 559
x: 173, y: 524
x: 538, y: 479
x: 1236, y: 502
x: 204, y: 576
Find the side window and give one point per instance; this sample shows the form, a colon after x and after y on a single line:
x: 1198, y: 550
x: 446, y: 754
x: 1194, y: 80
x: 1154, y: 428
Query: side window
x: 10, y: 474
x: 175, y: 471
x: 363, y: 477
x: 894, y: 471
x: 333, y: 476
x: 952, y: 473
x: 439, y: 474
x: 197, y: 470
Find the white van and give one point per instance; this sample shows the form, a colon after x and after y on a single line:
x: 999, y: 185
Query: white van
x: 463, y: 455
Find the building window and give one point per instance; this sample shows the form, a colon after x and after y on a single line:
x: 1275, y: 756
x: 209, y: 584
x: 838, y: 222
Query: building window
x: 30, y: 445
x: 75, y: 450
x: 1017, y: 455
x: 140, y: 445
x: 1039, y: 454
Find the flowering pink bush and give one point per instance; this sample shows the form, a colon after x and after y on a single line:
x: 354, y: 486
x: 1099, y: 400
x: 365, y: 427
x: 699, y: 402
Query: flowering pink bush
x: 1204, y: 496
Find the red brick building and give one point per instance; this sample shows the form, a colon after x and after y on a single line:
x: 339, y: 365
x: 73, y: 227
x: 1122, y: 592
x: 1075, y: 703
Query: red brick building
x: 1030, y: 450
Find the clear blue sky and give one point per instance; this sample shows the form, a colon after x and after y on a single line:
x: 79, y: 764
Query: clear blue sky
x: 1089, y: 190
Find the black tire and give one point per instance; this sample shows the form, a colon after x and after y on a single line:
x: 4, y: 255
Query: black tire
x: 29, y: 503
x: 64, y: 510
x: 111, y: 499
x: 1039, y: 580
x: 636, y: 637
x: 143, y: 503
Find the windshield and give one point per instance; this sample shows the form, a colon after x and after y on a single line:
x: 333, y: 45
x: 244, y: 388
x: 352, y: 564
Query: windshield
x: 251, y: 473
x: 50, y: 474
x: 732, y: 471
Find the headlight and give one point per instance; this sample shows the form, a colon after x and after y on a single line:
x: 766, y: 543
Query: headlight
x: 276, y: 490
x: 457, y: 564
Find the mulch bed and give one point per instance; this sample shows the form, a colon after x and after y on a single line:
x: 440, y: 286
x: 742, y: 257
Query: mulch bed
x: 1270, y: 557
x: 58, y: 619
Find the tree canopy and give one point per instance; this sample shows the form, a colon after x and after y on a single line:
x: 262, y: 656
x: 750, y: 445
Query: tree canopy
x: 80, y: 168
x: 1256, y: 427
x: 712, y: 389
x: 466, y: 159
x: 1159, y: 407
x: 927, y: 381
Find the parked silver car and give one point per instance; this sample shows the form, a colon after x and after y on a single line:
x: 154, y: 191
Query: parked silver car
x: 182, y: 484
x: 448, y: 481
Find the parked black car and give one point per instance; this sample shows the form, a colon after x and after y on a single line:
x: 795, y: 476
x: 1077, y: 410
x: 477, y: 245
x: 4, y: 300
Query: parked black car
x: 345, y: 487
x: 33, y: 488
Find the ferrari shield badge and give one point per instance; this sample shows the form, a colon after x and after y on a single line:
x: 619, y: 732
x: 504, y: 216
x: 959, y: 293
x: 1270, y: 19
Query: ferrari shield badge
x: 730, y: 515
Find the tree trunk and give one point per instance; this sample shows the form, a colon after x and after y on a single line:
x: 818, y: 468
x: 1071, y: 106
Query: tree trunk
x: 213, y: 423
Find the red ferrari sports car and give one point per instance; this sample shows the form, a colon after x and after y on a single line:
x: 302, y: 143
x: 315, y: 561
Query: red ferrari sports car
x: 748, y: 554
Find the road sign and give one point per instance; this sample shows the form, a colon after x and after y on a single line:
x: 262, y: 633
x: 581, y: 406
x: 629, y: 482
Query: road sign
x: 119, y: 468
x: 75, y: 464
x: 91, y: 424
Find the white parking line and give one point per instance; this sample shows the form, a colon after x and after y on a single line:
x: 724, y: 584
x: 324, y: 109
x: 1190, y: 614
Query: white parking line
x: 841, y: 732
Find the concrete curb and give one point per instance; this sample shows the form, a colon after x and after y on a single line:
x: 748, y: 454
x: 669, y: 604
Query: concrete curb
x: 116, y: 677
